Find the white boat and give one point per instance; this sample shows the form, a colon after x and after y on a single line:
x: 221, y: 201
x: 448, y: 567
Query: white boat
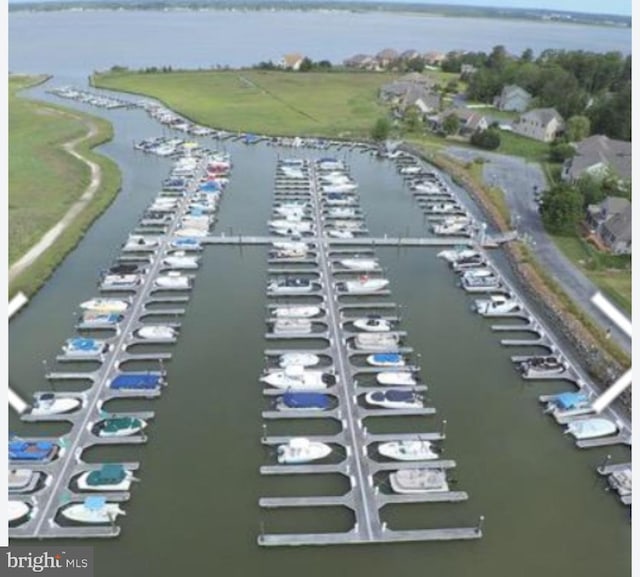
x: 419, y: 481
x: 293, y: 311
x: 396, y: 378
x: 288, y: 285
x: 138, y: 241
x: 365, y: 285
x: 93, y: 510
x: 372, y: 325
x: 105, y: 305
x: 50, y: 404
x: 340, y: 187
x: 591, y: 428
x: 341, y: 212
x: 497, y: 305
x: 408, y: 450
x: 377, y: 341
x: 17, y: 511
x: 336, y: 233
x: 302, y: 450
x: 394, y: 399
x: 292, y: 326
x: 296, y: 377
x: 411, y: 169
x: 21, y: 479
x: 291, y: 226
x: 443, y: 208
x: 352, y: 225
x: 454, y: 255
x: 621, y: 481
x: 156, y: 332
x: 300, y: 359
x: 452, y: 226
x: 291, y: 245
x: 181, y: 261
x: 362, y: 264
x: 174, y: 280
x: 115, y: 281
x: 191, y: 232
x: 108, y: 478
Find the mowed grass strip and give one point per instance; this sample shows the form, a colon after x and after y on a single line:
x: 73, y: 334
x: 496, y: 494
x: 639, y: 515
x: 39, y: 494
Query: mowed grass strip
x: 332, y: 104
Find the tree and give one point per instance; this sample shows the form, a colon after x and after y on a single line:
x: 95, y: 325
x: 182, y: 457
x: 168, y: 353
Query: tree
x: 451, y: 87
x: 324, y: 65
x: 381, y: 129
x: 451, y: 124
x: 415, y: 65
x: 527, y: 56
x: 561, y: 209
x: 578, y: 128
x: 560, y: 151
x: 488, y: 139
x: 412, y: 119
x: 591, y: 189
x: 306, y: 65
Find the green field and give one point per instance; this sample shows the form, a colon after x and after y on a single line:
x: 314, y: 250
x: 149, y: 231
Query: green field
x: 44, y: 180
x: 516, y: 145
x: 334, y: 104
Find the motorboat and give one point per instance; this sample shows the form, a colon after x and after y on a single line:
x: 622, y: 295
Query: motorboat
x: 407, y: 378
x: 292, y: 326
x: 296, y: 377
x: 120, y: 281
x: 376, y: 341
x: 138, y: 241
x: 365, y: 284
x: 339, y: 187
x: 472, y: 261
x: 92, y: 510
x: 419, y: 481
x: 352, y: 225
x: 191, y: 232
x: 120, y: 426
x: 290, y: 285
x: 187, y: 244
x: 330, y: 164
x: 23, y: 480
x: 497, y: 305
x: 372, y: 324
x: 443, y: 208
x: 303, y: 311
x: 291, y: 401
x: 564, y: 406
x: 109, y: 477
x: 32, y: 451
x: 620, y: 481
x: 301, y: 359
x: 541, y: 366
x: 454, y: 255
x: 452, y: 226
x: 53, y: 404
x: 337, y: 233
x: 80, y: 347
x: 156, y: 333
x: 126, y: 269
x: 386, y: 360
x: 105, y: 305
x: 408, y: 450
x: 361, y: 264
x: 302, y: 450
x: 591, y: 428
x: 342, y: 212
x: 17, y: 512
x: 179, y: 260
x: 411, y: 169
x: 394, y: 399
x: 487, y: 281
x: 173, y: 280
x: 137, y: 381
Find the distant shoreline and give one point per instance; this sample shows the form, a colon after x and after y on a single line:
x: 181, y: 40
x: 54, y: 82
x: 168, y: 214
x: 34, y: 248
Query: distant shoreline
x: 529, y: 15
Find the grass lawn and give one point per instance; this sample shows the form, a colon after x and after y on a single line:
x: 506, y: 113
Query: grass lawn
x: 517, y: 145
x: 44, y: 180
x: 610, y: 273
x: 335, y: 104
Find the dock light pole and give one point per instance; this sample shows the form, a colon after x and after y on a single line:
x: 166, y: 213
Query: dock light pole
x: 480, y: 524
x: 264, y: 431
x: 444, y: 428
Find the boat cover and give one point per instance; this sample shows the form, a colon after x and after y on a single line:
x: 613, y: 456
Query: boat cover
x: 387, y: 357
x: 306, y: 400
x: 393, y: 396
x: 136, y: 381
x: 81, y: 344
x: 568, y: 400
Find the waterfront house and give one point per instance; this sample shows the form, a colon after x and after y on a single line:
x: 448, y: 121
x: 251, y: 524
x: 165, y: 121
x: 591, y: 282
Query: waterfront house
x: 386, y: 57
x: 361, y: 61
x: 597, y: 155
x: 467, y: 70
x: 512, y: 97
x: 611, y: 221
x: 291, y: 61
x: 470, y: 121
x: 434, y: 58
x: 426, y: 102
x: 542, y: 124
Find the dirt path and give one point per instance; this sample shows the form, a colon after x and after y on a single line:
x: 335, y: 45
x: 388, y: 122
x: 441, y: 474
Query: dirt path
x: 52, y: 234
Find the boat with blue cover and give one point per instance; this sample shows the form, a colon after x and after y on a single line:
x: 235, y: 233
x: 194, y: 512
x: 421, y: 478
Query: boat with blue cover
x: 81, y: 347
x: 291, y: 401
x: 187, y: 243
x: 93, y: 510
x: 565, y: 405
x: 137, y: 381
x: 109, y: 477
x: 40, y: 451
x: 394, y: 399
x: 386, y: 360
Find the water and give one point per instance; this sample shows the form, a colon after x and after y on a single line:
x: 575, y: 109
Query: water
x: 196, y: 509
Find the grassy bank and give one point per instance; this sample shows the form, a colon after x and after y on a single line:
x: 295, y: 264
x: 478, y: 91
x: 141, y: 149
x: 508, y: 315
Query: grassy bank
x: 332, y: 104
x: 44, y: 180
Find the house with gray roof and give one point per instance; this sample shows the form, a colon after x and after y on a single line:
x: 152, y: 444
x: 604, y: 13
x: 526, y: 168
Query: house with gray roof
x: 362, y: 61
x: 470, y: 121
x: 611, y: 220
x: 597, y: 155
x: 512, y: 97
x: 426, y: 102
x: 541, y: 124
x: 387, y: 56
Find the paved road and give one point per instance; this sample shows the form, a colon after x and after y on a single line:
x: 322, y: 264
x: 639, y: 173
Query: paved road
x: 517, y: 178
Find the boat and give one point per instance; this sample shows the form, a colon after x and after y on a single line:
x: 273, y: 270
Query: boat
x: 290, y: 285
x: 443, y: 208
x: 566, y: 405
x: 296, y: 311
x: 341, y: 212
x: 472, y: 261
x: 191, y: 232
x: 301, y: 359
x: 81, y: 347
x: 137, y: 381
x: 23, y: 480
x: 120, y: 426
x: 52, y: 404
x: 105, y: 305
x: 292, y: 326
x: 178, y: 260
x: 591, y: 428
x: 339, y: 187
x: 386, y: 360
x: 419, y: 481
x: 362, y: 264
x: 620, y: 481
x: 480, y: 281
x: 110, y: 477
x: 173, y: 280
x: 187, y: 243
x: 40, y: 451
x: 376, y: 341
x: 291, y: 401
x: 454, y: 255
x: 126, y: 269
x: 296, y: 377
x: 137, y: 241
x: 302, y: 450
x: 410, y: 170
x: 97, y: 320
x: 93, y: 510
x: 157, y: 332
x: 372, y: 324
x: 408, y: 450
x: 541, y: 366
x: 340, y: 233
x: 394, y: 399
x: 365, y: 285
x: 452, y: 225
x: 396, y: 378
x: 497, y: 305
x: 120, y: 281
x: 17, y: 512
